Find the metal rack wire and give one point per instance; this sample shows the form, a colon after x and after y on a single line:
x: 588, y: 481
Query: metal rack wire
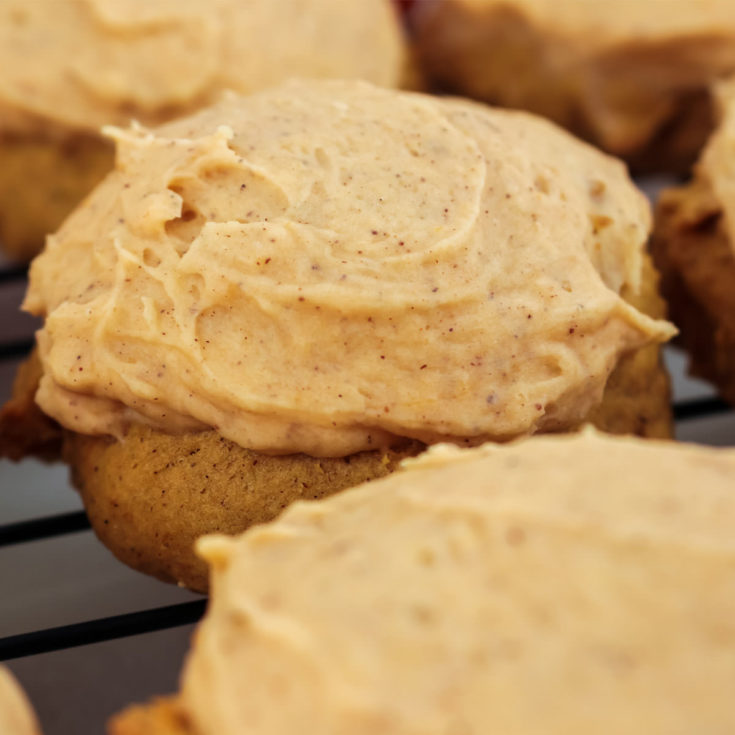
x: 46, y: 527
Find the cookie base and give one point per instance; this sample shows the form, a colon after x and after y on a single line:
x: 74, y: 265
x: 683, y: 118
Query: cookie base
x: 41, y: 181
x: 163, y: 716
x: 150, y: 496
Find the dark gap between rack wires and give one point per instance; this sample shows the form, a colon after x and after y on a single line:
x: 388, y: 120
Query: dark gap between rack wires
x: 699, y: 408
x: 40, y: 528
x: 13, y: 273
x: 102, y: 629
x: 16, y: 348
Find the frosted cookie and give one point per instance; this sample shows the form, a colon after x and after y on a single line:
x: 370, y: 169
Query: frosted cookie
x: 16, y: 714
x: 322, y: 274
x: 70, y: 67
x: 694, y: 246
x: 589, y: 576
x: 631, y: 76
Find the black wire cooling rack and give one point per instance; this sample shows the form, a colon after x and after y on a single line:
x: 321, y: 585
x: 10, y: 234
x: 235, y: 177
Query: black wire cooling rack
x: 159, y: 618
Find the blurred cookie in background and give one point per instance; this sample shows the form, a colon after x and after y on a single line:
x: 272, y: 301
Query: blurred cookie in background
x: 693, y: 244
x: 70, y: 67
x: 630, y: 76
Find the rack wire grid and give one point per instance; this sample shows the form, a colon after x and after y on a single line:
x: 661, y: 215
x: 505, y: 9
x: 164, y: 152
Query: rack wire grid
x: 85, y: 635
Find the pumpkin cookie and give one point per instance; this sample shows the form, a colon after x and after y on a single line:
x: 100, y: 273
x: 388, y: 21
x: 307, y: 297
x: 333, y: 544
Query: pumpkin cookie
x: 70, y: 67
x: 330, y: 275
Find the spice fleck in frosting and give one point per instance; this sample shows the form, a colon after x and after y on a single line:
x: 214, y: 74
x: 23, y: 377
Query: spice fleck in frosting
x: 325, y: 266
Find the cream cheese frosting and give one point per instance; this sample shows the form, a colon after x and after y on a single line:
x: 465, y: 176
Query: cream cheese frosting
x: 328, y: 265
x: 16, y: 715
x: 558, y: 585
x: 82, y: 64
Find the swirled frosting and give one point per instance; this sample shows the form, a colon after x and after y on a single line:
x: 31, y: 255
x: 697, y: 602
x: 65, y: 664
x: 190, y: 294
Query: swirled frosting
x: 86, y: 63
x: 562, y: 585
x: 328, y: 265
x: 16, y: 715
